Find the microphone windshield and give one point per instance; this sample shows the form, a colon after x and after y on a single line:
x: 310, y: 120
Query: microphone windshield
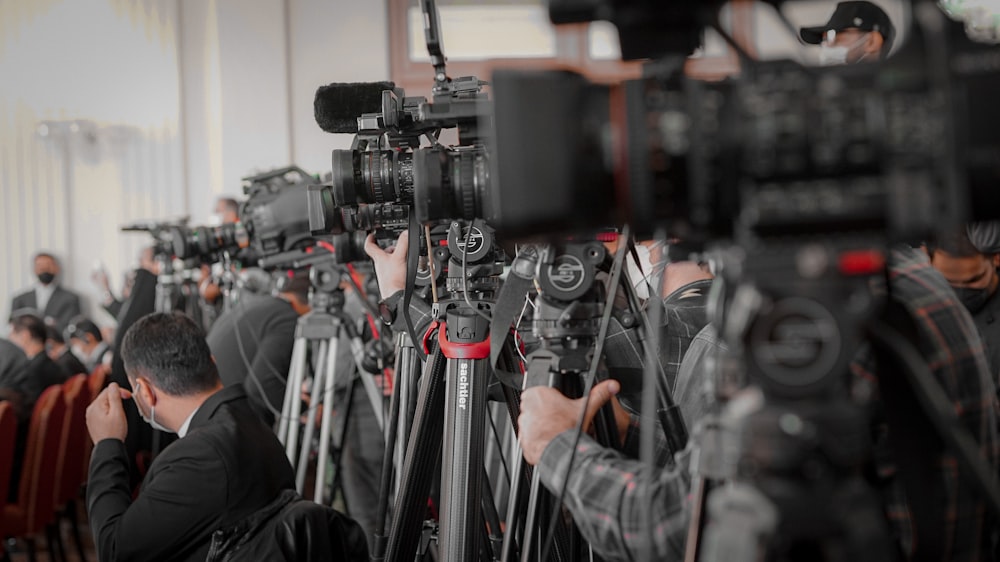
x: 337, y: 106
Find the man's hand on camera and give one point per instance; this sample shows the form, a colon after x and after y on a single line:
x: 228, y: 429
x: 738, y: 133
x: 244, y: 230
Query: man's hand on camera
x: 106, y: 416
x: 546, y: 412
x: 390, y: 265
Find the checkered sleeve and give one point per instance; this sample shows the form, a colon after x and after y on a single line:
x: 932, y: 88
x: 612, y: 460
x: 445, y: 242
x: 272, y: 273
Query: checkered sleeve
x: 608, y: 496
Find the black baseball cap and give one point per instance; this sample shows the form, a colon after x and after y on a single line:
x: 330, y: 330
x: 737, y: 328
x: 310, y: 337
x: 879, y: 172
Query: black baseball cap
x: 859, y: 15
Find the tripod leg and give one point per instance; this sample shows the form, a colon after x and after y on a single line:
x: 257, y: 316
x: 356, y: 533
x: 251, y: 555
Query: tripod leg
x: 288, y: 425
x: 408, y: 381
x: 372, y: 391
x: 418, y: 468
x: 462, y: 478
x: 315, y: 394
x: 324, y: 433
x: 388, y: 461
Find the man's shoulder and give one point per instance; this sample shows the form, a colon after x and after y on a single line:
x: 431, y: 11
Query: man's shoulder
x: 23, y: 296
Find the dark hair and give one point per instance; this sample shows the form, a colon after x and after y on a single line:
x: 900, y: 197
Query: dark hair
x: 955, y: 243
x: 80, y: 326
x: 33, y: 324
x: 170, y: 350
x: 230, y: 204
x: 53, y: 333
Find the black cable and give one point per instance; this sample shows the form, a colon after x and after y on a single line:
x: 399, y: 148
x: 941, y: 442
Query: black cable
x: 465, y: 278
x: 616, y: 270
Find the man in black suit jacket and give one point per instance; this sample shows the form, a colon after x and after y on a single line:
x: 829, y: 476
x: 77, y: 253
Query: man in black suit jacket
x: 225, y: 466
x: 48, y: 298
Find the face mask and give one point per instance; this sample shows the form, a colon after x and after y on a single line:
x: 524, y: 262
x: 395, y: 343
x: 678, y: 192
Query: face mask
x: 973, y: 299
x: 151, y: 420
x: 215, y: 219
x: 78, y: 351
x: 830, y: 55
x: 45, y: 277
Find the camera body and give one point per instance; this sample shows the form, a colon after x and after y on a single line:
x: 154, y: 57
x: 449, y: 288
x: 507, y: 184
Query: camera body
x: 273, y: 221
x: 899, y: 146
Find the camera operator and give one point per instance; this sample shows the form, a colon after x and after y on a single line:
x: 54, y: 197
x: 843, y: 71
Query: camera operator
x: 606, y: 491
x: 252, y: 343
x: 969, y: 261
x: 858, y: 31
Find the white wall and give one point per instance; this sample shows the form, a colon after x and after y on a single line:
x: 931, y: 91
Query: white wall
x: 174, y: 102
x: 102, y: 76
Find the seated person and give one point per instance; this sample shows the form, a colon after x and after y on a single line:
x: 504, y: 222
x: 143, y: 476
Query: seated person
x: 29, y: 332
x: 88, y: 343
x: 225, y: 466
x: 59, y: 352
x: 11, y: 360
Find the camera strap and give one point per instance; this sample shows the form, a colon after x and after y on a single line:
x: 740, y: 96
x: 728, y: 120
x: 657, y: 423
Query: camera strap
x: 509, y: 304
x: 412, y: 263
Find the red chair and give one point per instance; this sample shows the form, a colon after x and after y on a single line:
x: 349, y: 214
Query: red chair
x: 70, y: 473
x: 97, y: 379
x: 35, y: 506
x: 8, y: 438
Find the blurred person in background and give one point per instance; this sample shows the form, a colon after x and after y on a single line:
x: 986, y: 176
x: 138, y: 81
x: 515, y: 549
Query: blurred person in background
x: 252, y: 343
x: 58, y: 351
x: 88, y: 343
x: 47, y: 296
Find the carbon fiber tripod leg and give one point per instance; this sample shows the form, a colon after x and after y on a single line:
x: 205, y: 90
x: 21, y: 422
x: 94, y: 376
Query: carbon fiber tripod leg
x: 421, y: 459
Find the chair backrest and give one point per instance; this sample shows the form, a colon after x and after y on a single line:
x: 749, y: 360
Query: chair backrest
x: 95, y: 383
x: 97, y: 379
x: 8, y: 438
x: 69, y: 472
x: 37, y: 488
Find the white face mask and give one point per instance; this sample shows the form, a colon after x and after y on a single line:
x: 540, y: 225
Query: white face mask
x: 830, y: 55
x: 79, y: 352
x: 151, y: 420
x: 640, y: 279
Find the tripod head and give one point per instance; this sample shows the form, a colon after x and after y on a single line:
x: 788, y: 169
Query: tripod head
x: 327, y: 295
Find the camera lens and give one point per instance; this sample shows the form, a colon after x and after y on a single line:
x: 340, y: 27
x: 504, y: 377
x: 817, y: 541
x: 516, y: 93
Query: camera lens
x: 346, y: 177
x: 203, y: 240
x: 372, y: 176
x: 450, y: 183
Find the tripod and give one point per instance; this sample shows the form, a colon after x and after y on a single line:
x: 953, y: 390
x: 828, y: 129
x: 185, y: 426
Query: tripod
x: 450, y: 413
x: 322, y: 326
x: 783, y: 461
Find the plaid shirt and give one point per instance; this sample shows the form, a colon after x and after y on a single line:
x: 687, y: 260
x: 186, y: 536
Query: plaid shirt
x: 954, y: 352
x: 606, y: 492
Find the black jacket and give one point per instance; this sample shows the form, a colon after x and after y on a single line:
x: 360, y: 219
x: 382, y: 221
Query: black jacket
x: 63, y: 305
x: 252, y: 346
x: 227, y: 467
x: 35, y: 376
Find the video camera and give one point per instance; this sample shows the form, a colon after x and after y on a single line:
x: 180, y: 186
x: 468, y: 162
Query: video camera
x: 160, y: 231
x: 387, y: 174
x: 273, y: 221
x: 781, y: 149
